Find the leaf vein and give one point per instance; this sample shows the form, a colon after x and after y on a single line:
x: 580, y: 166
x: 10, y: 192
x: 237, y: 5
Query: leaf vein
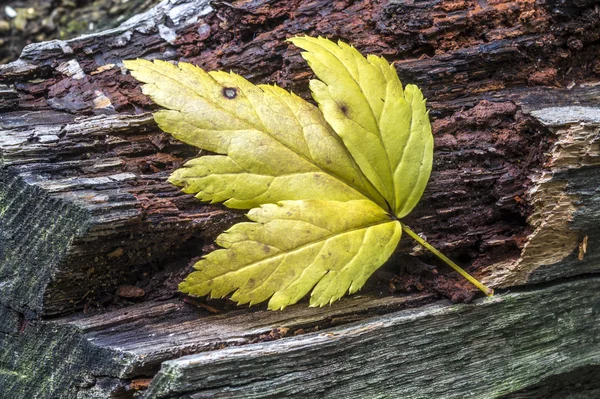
x: 300, y: 248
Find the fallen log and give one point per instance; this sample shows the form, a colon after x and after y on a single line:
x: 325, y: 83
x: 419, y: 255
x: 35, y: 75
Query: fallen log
x: 88, y: 224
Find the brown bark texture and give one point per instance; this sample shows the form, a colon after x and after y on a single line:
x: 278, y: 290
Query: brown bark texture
x: 93, y: 240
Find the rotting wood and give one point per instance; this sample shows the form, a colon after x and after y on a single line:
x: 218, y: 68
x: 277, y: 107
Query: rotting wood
x: 565, y: 201
x: 38, y: 58
x: 86, y: 200
x: 84, y: 203
x: 41, y: 20
x: 474, y: 208
x: 486, y: 69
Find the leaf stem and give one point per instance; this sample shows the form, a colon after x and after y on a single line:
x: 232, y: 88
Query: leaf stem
x: 488, y: 291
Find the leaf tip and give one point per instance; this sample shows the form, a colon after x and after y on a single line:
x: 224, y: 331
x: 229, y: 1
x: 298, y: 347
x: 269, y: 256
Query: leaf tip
x: 130, y: 64
x: 184, y: 287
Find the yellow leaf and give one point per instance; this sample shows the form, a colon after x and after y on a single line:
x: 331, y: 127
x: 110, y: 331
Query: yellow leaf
x: 385, y: 128
x: 331, y: 183
x: 294, y: 246
x: 276, y: 146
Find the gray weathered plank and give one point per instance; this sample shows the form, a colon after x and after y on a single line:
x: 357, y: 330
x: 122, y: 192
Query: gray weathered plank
x: 484, y: 350
x: 87, y: 200
x: 104, y: 354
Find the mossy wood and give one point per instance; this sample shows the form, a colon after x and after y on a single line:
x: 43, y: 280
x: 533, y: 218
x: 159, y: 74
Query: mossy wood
x: 85, y: 207
x: 360, y: 347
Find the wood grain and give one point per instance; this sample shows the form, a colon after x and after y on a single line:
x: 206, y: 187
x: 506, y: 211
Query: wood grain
x: 77, y: 139
x: 484, y: 350
x: 104, y: 355
x: 85, y: 210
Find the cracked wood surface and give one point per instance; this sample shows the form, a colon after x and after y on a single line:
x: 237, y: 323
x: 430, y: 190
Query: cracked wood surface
x: 359, y: 347
x: 106, y: 354
x: 85, y: 210
x: 86, y: 206
x: 565, y: 201
x: 77, y: 137
x: 490, y: 348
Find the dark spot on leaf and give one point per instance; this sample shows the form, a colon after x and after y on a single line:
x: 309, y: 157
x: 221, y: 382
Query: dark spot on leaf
x: 229, y: 92
x: 266, y: 249
x: 344, y: 109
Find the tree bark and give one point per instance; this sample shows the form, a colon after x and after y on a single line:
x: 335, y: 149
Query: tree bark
x: 88, y: 224
x: 24, y: 22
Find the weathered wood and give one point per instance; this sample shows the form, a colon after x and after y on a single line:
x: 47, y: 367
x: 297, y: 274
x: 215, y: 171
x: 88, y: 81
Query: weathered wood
x: 484, y: 350
x: 475, y: 207
x: 29, y: 21
x: 84, y: 208
x: 104, y: 355
x: 84, y: 201
x: 566, y: 203
x: 87, y: 200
